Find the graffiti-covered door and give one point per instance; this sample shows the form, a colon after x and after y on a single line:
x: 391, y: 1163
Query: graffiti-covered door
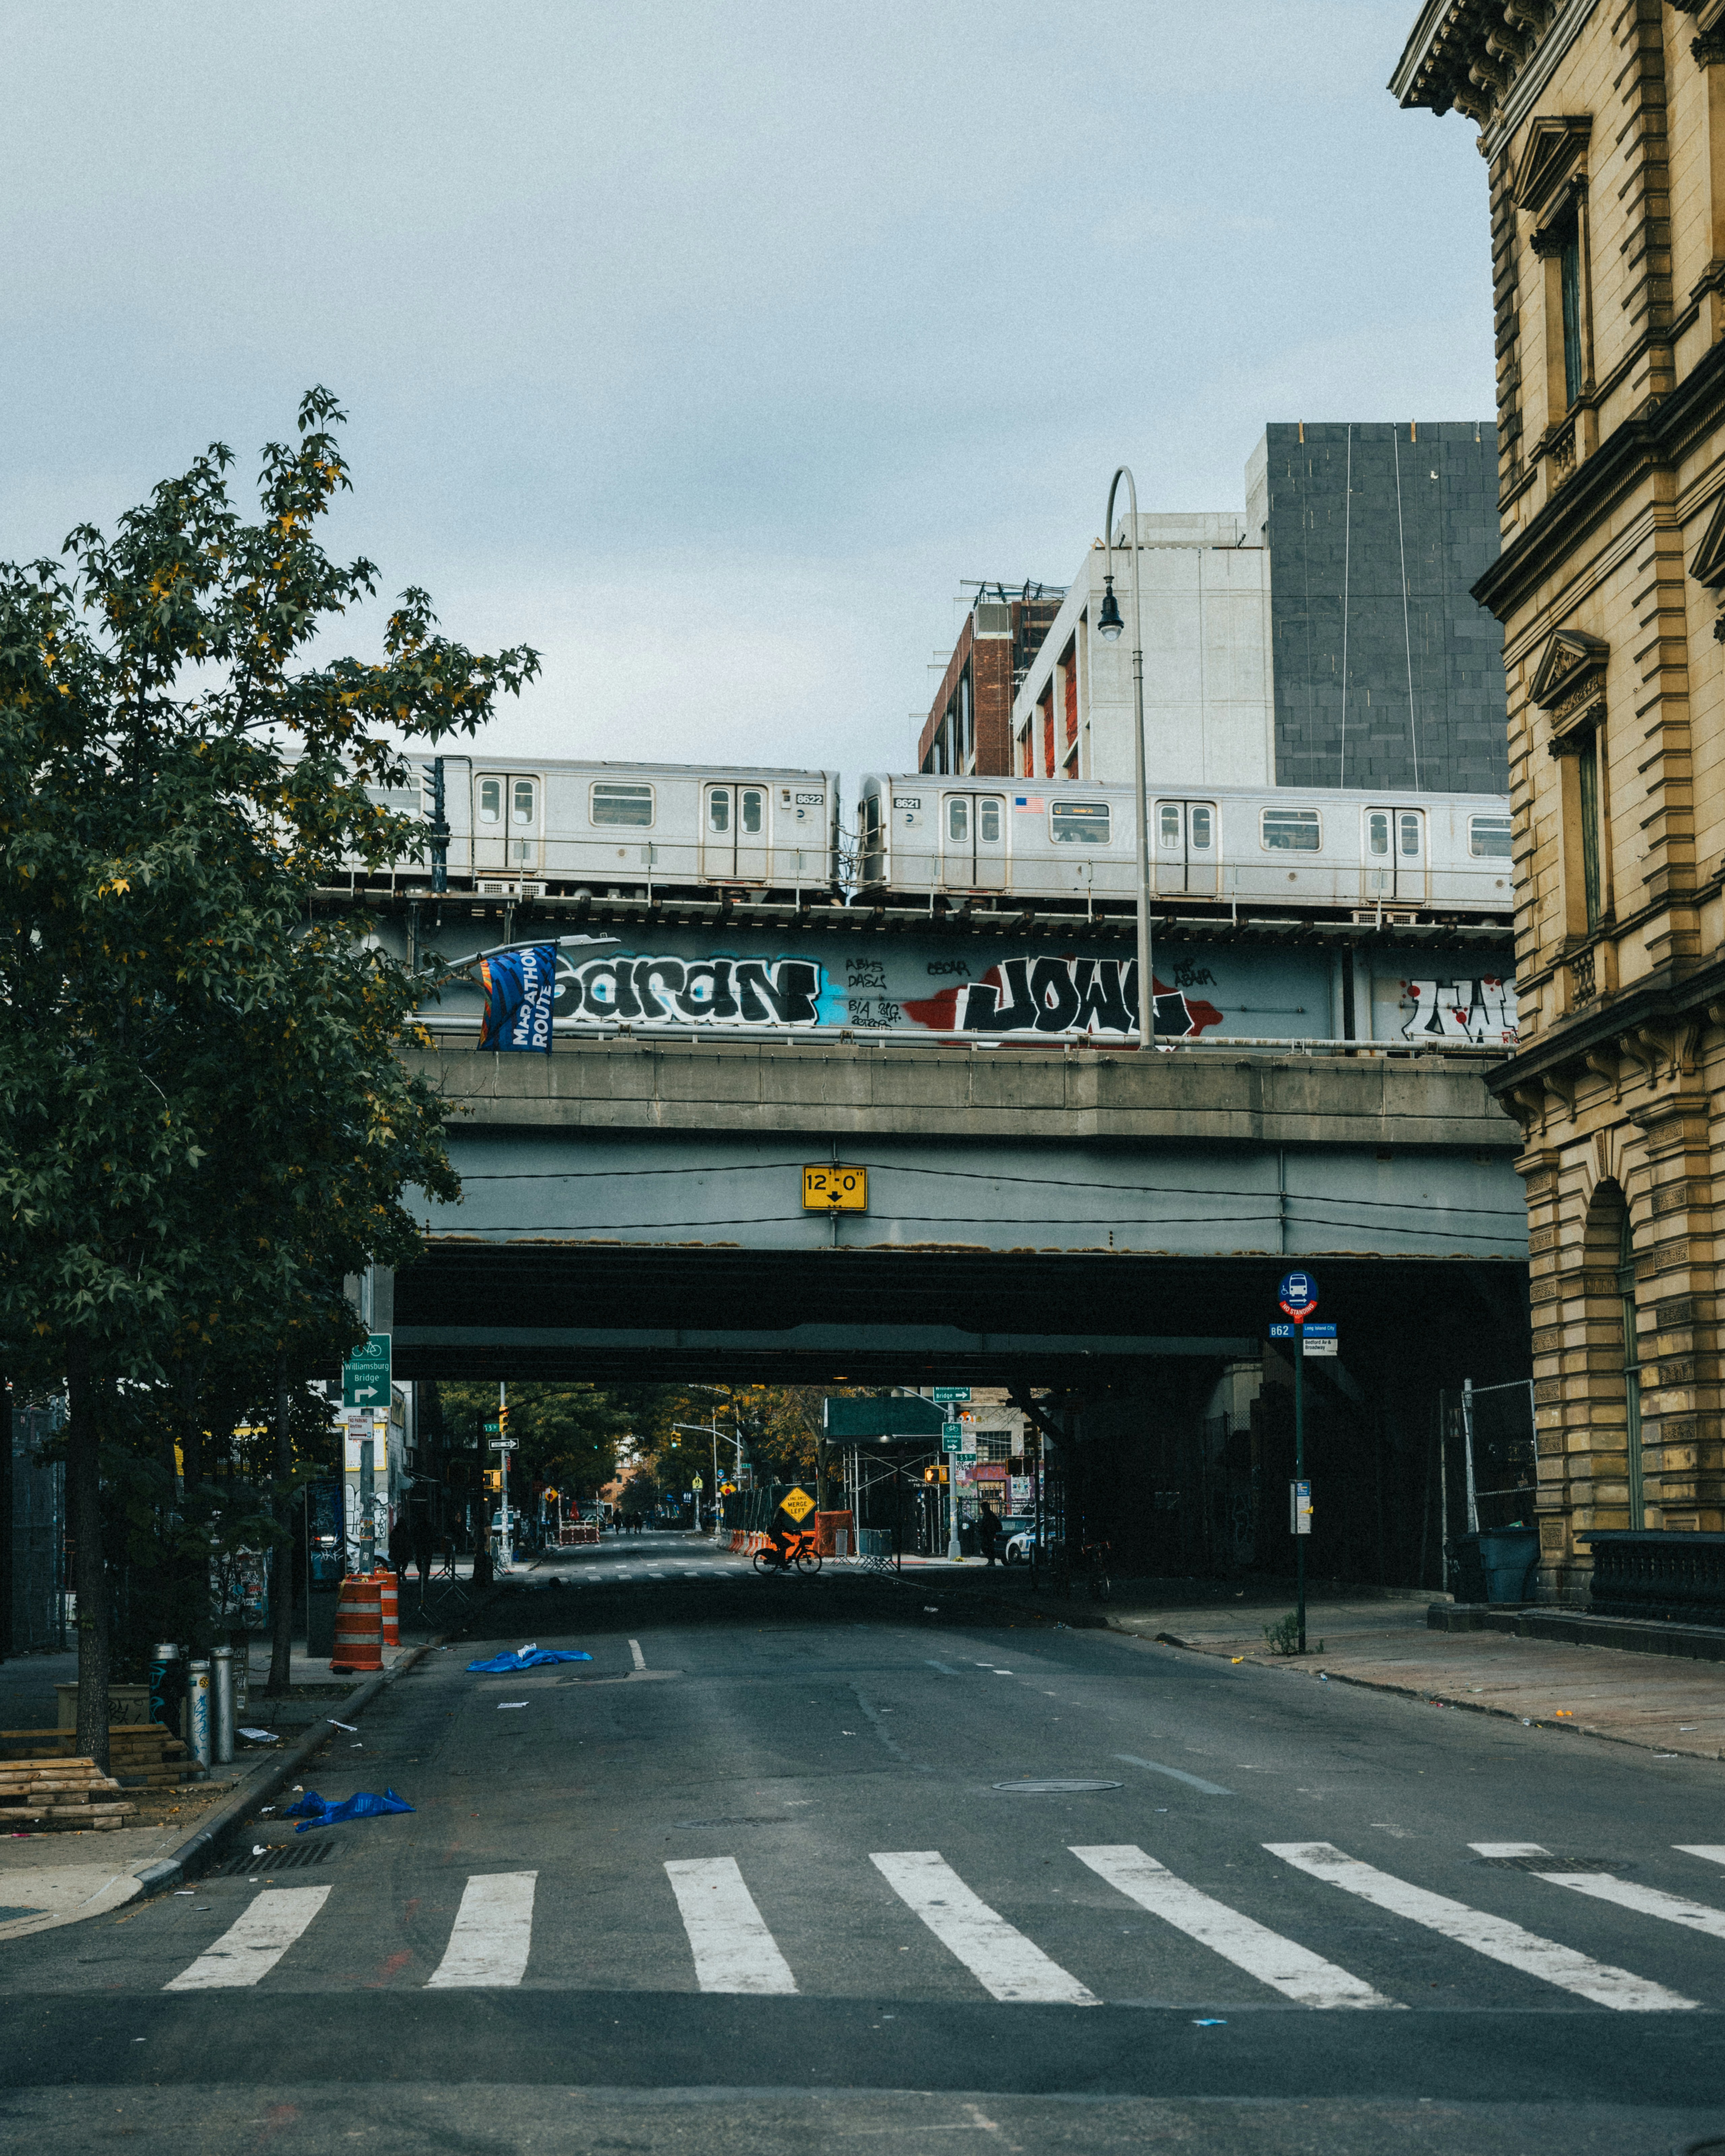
x: 974, y: 841
x: 1395, y: 855
x: 733, y: 834
x: 1185, y: 847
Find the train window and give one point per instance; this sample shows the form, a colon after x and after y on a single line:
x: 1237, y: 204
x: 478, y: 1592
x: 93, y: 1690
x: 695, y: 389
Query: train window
x: 1488, y: 837
x: 490, y: 800
x: 1200, y: 826
x: 525, y: 792
x: 1378, y: 832
x: 1169, y: 815
x: 1079, y: 822
x: 752, y: 799
x: 1408, y: 823
x: 958, y: 816
x: 1291, y: 830
x: 988, y: 820
x: 871, y: 806
x: 718, y: 809
x: 612, y: 803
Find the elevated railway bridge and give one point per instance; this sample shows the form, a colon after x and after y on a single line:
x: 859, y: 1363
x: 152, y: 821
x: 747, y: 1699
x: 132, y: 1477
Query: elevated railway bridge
x: 1047, y: 1207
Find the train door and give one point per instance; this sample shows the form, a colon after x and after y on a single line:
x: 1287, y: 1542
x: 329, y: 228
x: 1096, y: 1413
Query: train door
x: 733, y: 834
x: 1186, y: 848
x: 507, y: 823
x: 974, y: 841
x: 1395, y: 855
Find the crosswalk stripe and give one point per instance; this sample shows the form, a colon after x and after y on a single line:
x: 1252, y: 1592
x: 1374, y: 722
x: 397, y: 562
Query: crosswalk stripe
x: 1293, y: 1970
x: 998, y: 1954
x: 1713, y: 1851
x: 733, y: 1949
x: 1494, y: 1937
x: 493, y: 1934
x: 1606, y: 1886
x: 252, y: 1945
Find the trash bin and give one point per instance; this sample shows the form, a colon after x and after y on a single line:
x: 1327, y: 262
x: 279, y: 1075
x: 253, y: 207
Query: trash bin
x: 1507, y: 1557
x: 1467, y: 1574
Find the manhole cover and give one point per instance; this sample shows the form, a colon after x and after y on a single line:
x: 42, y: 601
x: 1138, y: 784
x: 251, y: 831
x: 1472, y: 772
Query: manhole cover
x: 1072, y: 1787
x: 294, y: 1856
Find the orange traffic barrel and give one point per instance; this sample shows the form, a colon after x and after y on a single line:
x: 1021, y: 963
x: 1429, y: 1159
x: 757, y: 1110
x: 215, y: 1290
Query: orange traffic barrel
x: 359, y: 1626
x: 389, y: 1587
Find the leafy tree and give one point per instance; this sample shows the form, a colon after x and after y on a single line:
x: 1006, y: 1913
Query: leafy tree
x: 566, y: 1436
x: 204, y: 1121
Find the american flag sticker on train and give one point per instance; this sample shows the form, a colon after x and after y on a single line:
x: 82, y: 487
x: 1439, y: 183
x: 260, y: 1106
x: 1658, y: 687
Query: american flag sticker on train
x: 1033, y: 802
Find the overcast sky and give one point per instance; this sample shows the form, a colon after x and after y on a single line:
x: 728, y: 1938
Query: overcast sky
x: 707, y: 348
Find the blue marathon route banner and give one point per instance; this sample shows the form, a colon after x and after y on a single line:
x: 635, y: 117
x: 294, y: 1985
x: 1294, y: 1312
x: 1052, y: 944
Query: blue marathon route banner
x: 519, y: 987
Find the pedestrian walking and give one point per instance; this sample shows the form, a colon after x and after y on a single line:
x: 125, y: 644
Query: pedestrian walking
x: 988, y: 1527
x: 401, y: 1545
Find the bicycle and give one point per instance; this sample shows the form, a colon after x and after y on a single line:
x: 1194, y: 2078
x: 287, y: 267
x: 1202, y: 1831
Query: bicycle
x: 800, y: 1553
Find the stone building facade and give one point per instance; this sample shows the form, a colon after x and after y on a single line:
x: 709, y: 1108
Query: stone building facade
x: 1602, y: 126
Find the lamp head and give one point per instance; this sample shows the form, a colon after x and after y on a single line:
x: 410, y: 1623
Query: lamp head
x: 1108, y: 621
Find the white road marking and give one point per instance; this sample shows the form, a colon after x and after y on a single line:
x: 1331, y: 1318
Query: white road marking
x: 999, y: 1955
x: 733, y: 1949
x: 1606, y: 1886
x: 1713, y: 1851
x: 634, y: 1648
x: 1494, y: 1937
x: 1175, y: 1773
x: 251, y: 1947
x: 494, y: 1931
x: 1293, y: 1970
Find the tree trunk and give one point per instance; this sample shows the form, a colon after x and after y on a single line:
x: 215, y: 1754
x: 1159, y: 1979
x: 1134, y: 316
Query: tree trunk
x: 90, y: 1579
x: 281, y: 1560
x: 192, y: 1470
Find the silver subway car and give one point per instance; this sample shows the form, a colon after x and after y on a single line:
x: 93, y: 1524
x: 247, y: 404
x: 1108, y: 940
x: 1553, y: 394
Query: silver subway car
x: 542, y: 828
x: 1075, y: 847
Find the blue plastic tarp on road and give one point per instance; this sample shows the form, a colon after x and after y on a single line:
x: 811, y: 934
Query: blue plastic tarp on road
x: 314, y: 1810
x: 527, y: 1658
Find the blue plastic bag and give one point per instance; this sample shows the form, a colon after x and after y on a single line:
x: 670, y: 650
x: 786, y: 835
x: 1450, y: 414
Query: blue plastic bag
x: 527, y: 1658
x: 314, y: 1810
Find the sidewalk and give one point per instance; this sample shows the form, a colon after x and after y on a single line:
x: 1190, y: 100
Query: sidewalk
x: 1670, y: 1706
x: 47, y: 1879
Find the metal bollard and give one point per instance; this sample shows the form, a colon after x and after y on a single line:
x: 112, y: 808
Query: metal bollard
x: 165, y: 1686
x: 198, y: 1712
x: 223, y: 1658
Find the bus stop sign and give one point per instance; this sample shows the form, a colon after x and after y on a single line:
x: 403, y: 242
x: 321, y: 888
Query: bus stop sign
x: 1298, y: 1295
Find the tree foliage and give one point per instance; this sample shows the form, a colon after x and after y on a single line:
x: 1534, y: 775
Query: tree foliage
x: 204, y: 1121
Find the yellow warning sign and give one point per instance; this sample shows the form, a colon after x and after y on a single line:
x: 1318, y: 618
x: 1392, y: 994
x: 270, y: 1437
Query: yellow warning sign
x: 799, y: 1505
x: 830, y: 1188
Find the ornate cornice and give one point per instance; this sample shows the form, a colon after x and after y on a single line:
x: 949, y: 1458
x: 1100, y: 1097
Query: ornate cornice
x: 1465, y: 55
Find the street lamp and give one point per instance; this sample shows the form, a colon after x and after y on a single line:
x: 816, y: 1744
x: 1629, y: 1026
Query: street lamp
x: 1109, y: 625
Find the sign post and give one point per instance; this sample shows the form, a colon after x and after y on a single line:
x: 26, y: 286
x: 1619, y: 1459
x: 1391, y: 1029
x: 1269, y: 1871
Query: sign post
x: 951, y: 1442
x: 1298, y: 1296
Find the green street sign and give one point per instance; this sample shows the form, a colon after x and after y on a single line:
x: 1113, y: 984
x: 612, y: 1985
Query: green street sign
x: 366, y: 1374
x: 944, y: 1395
x: 492, y: 1429
x: 952, y: 1438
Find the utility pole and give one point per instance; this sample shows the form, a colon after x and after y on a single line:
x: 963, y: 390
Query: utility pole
x: 506, y: 1551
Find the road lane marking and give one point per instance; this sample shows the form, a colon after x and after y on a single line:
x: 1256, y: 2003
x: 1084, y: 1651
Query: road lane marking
x: 946, y: 1669
x: 1175, y: 1773
x: 1713, y: 1851
x: 1494, y: 1937
x: 733, y: 1949
x: 1606, y: 1886
x: 494, y: 1931
x: 634, y: 1648
x: 998, y: 1954
x: 1293, y: 1970
x: 251, y: 1947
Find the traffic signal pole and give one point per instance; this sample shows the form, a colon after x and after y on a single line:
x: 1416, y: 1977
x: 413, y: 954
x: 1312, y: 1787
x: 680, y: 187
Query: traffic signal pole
x: 507, y: 1552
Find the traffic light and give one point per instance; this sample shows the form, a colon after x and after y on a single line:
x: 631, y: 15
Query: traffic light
x: 503, y: 1420
x: 494, y: 1479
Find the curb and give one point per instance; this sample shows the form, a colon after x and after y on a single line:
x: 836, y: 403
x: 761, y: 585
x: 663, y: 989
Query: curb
x: 166, y: 1870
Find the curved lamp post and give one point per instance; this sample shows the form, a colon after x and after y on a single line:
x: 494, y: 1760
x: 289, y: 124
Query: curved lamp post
x: 1108, y: 624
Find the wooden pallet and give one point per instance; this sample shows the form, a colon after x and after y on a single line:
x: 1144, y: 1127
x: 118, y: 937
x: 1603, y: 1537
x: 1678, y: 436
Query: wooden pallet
x: 58, y: 1792
x: 143, y: 1755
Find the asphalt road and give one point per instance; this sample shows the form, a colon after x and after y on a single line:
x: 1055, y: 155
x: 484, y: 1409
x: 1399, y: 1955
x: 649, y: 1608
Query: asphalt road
x: 751, y: 1880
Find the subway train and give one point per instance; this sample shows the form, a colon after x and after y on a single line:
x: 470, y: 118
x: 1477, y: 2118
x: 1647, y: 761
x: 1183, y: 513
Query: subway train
x: 615, y: 831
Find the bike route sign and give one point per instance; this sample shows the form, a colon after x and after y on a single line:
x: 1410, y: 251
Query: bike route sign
x: 366, y: 1374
